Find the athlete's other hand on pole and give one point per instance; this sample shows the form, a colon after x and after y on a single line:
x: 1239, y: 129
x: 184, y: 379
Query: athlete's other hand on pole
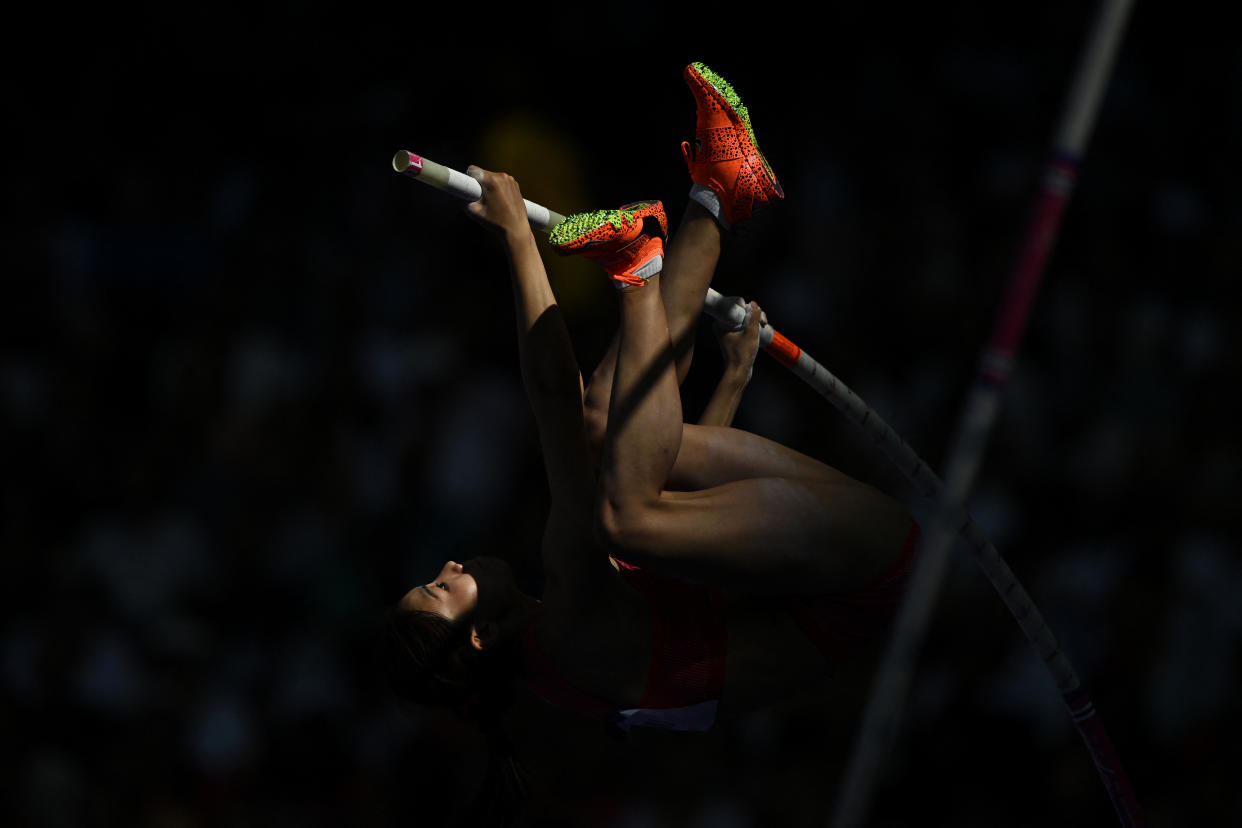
x: 740, y: 346
x: 501, y: 208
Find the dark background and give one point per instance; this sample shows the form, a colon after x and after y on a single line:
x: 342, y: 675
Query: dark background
x: 253, y: 385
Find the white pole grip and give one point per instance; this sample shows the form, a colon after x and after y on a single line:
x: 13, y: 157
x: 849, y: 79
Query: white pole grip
x: 732, y: 315
x: 463, y: 186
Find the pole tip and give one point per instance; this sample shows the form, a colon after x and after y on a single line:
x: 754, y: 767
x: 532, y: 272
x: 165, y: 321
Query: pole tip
x: 407, y: 162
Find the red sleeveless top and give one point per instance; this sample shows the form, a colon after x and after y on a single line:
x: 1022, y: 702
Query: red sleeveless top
x: 685, y: 678
x: 686, y: 674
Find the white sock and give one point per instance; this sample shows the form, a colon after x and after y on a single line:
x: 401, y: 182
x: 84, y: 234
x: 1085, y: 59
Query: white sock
x: 707, y: 197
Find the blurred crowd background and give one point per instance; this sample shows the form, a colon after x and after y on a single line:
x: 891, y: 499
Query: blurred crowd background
x: 254, y: 385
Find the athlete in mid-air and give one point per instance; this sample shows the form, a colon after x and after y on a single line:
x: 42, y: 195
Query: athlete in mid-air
x: 691, y: 571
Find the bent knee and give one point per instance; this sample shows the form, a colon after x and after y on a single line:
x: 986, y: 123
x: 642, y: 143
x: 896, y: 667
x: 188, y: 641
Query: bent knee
x: 624, y: 527
x: 614, y: 524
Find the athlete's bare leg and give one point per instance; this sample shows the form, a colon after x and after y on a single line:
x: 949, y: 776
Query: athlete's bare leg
x: 811, y: 527
x: 702, y: 463
x: 689, y: 264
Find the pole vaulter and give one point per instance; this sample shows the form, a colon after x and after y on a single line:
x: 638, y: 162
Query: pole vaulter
x: 920, y: 475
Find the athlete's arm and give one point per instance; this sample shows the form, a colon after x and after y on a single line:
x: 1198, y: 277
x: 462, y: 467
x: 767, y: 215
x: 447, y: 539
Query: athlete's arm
x: 549, y: 368
x: 738, y: 349
x: 553, y: 385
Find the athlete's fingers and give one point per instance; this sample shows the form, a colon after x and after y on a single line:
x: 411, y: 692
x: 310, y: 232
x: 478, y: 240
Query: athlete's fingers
x: 753, y: 318
x: 722, y: 328
x: 500, y: 206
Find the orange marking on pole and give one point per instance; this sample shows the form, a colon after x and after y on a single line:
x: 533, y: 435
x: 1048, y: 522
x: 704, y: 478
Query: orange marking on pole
x: 785, y: 352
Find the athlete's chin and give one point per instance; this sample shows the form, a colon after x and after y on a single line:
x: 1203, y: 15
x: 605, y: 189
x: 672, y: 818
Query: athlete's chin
x: 487, y: 567
x: 495, y: 585
x: 493, y: 576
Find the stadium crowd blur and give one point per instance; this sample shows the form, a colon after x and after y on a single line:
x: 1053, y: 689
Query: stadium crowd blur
x: 253, y: 385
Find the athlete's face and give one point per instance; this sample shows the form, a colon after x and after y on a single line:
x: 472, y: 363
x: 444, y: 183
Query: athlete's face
x: 483, y: 586
x: 452, y: 593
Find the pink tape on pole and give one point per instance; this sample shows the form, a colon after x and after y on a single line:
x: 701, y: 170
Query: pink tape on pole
x: 1041, y: 231
x: 782, y: 350
x: 413, y: 164
x: 1107, y: 763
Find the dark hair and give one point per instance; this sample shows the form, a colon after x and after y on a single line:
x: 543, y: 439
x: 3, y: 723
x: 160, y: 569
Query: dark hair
x: 430, y: 661
x: 427, y: 657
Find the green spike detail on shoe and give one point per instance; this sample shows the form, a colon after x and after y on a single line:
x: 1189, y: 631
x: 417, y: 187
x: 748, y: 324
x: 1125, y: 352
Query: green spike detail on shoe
x: 579, y: 224
x: 735, y: 102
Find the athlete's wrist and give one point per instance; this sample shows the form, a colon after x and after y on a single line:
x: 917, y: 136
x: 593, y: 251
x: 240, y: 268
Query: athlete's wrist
x: 736, y: 376
x: 518, y: 237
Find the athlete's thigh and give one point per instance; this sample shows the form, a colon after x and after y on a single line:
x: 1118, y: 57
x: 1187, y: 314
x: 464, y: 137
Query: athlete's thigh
x: 805, y: 535
x: 712, y: 456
